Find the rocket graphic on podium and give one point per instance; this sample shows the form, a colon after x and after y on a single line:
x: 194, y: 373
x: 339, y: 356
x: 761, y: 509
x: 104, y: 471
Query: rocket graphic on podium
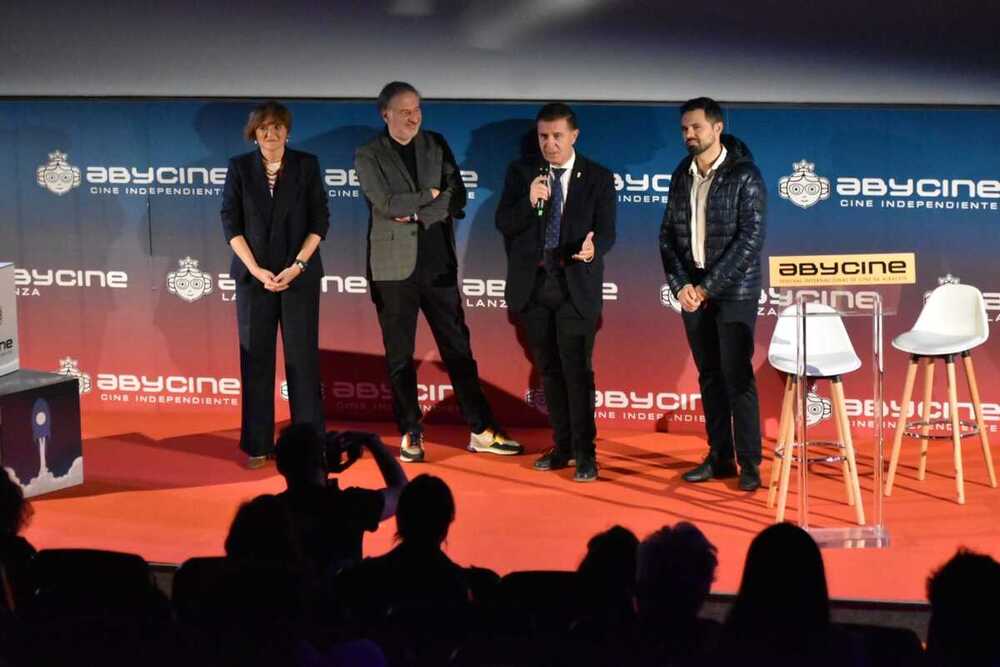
x: 41, y: 426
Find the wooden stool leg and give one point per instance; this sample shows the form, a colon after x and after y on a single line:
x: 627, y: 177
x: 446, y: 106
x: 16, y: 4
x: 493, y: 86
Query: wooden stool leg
x: 838, y: 400
x: 925, y: 415
x: 956, y: 434
x: 845, y: 466
x: 897, y: 439
x: 786, y: 417
x: 970, y: 375
x: 786, y: 460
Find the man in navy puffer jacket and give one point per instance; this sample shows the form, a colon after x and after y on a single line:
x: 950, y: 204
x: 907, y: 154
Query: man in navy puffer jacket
x: 710, y: 243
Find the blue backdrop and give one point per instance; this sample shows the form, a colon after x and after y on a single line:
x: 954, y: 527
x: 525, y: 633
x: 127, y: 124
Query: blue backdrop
x: 107, y: 205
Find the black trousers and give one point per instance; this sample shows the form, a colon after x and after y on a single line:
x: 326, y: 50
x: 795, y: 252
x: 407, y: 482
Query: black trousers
x: 397, y: 303
x: 562, y: 344
x: 720, y: 334
x: 259, y: 313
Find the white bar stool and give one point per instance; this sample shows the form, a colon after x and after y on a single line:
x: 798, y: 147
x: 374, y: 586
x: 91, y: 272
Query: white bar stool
x: 829, y: 355
x: 952, y: 321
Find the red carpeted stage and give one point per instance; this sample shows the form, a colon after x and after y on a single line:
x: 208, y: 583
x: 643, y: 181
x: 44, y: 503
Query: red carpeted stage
x: 169, y: 495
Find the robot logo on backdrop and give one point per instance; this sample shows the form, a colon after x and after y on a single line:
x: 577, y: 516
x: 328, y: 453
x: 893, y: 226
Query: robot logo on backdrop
x: 803, y: 187
x: 946, y: 279
x: 668, y: 300
x: 283, y: 390
x: 189, y: 283
x: 817, y: 408
x: 536, y: 399
x: 58, y: 176
x: 69, y: 367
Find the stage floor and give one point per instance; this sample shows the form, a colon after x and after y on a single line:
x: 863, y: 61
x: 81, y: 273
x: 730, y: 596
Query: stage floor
x: 169, y: 497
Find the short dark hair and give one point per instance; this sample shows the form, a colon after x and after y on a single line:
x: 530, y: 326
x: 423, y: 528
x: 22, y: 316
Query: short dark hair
x: 263, y: 529
x: 610, y: 560
x: 713, y: 112
x: 956, y: 631
x: 675, y: 570
x: 425, y: 511
x: 781, y: 552
x: 556, y: 110
x: 270, y: 111
x: 299, y: 452
x: 390, y: 90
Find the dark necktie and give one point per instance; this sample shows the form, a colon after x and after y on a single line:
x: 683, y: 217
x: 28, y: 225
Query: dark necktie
x: 555, y: 208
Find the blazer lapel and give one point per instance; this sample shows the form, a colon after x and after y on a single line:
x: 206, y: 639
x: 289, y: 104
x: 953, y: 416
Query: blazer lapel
x: 258, y: 187
x: 397, y: 161
x: 286, y: 189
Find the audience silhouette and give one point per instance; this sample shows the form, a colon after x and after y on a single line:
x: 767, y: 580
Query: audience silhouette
x: 330, y: 522
x: 675, y: 570
x: 961, y: 633
x: 263, y: 531
x: 416, y: 574
x: 16, y: 552
x: 607, y: 577
x: 781, y: 613
x: 292, y: 590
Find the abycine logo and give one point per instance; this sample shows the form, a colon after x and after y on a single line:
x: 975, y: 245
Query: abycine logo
x: 189, y: 283
x: 668, y: 300
x: 58, y: 176
x: 804, y: 188
x: 69, y: 367
x: 817, y: 408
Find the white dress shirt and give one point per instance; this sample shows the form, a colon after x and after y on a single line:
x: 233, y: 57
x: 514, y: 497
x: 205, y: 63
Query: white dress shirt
x: 700, y: 185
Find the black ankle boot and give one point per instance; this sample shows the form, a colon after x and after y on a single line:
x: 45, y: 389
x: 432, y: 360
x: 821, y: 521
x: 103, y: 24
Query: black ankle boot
x: 710, y: 469
x: 749, y: 476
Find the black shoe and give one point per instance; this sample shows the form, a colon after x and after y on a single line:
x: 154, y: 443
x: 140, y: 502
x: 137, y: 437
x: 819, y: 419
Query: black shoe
x: 256, y: 462
x: 710, y: 469
x: 553, y: 460
x: 749, y: 477
x: 586, y: 471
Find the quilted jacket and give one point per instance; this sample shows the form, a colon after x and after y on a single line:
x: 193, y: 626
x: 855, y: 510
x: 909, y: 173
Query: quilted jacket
x: 734, y: 236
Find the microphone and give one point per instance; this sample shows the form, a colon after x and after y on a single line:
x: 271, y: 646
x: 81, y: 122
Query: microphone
x: 540, y: 204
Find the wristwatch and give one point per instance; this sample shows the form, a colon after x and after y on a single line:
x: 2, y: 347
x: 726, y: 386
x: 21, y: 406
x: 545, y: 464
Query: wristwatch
x: 299, y: 263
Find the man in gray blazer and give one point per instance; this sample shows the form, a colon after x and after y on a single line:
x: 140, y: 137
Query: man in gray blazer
x: 414, y: 191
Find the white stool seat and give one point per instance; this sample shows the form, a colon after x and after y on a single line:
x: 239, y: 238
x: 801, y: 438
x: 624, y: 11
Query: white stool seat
x: 829, y: 350
x: 930, y: 343
x: 952, y: 320
x: 819, y: 365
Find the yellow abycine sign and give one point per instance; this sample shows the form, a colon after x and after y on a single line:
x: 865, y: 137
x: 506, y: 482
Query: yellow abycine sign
x: 869, y: 269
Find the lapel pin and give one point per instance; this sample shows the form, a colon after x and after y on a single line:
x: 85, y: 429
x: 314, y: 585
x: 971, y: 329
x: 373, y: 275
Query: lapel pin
x: 578, y: 174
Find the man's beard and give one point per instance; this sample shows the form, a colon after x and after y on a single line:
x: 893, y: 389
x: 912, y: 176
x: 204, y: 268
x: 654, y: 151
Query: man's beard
x: 697, y: 149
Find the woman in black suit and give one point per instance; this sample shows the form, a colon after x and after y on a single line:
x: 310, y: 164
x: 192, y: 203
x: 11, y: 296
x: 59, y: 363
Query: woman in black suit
x: 274, y: 214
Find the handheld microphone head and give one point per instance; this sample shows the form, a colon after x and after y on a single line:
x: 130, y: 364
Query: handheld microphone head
x: 545, y: 171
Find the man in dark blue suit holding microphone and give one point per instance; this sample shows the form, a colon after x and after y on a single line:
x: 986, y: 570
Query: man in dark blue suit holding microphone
x: 557, y: 216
